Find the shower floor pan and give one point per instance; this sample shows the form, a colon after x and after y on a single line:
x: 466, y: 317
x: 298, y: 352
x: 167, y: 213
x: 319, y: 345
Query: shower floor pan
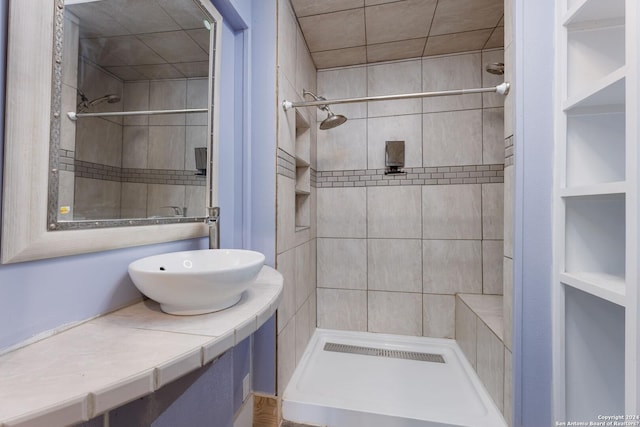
x: 380, y: 380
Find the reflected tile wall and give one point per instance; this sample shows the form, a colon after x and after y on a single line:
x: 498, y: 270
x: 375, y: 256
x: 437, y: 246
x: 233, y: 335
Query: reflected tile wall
x: 397, y: 251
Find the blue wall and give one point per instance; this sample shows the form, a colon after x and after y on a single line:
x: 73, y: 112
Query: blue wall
x: 533, y: 251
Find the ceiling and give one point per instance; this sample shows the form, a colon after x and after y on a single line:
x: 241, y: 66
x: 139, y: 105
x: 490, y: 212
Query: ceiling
x: 350, y: 32
x: 145, y: 39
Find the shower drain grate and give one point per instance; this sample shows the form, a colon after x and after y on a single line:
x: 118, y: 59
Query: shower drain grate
x: 383, y: 352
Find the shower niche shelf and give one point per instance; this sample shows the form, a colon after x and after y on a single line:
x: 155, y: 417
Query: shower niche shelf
x: 303, y: 174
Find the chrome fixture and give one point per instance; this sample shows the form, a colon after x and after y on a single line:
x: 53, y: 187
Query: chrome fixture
x: 502, y: 89
x: 332, y: 119
x: 178, y: 210
x: 85, y: 103
x: 496, y: 68
x: 75, y: 116
x: 213, y: 221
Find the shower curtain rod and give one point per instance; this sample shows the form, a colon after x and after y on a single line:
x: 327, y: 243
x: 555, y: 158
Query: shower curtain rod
x: 502, y: 89
x: 75, y: 116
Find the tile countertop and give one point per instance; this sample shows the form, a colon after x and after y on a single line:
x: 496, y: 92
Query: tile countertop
x: 101, y: 364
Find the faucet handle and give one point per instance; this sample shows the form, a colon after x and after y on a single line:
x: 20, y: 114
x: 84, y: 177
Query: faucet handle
x: 214, y: 213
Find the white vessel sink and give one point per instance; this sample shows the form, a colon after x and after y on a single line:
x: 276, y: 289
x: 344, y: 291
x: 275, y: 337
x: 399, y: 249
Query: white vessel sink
x: 196, y: 282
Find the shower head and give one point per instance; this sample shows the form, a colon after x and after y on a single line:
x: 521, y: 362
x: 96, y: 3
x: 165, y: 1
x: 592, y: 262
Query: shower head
x: 110, y: 99
x: 496, y: 68
x: 332, y: 120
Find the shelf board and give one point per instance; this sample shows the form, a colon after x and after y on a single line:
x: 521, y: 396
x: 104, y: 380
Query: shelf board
x: 301, y: 163
x: 301, y: 192
x: 587, y: 11
x: 608, y: 94
x: 302, y: 228
x: 605, y: 286
x: 594, y: 190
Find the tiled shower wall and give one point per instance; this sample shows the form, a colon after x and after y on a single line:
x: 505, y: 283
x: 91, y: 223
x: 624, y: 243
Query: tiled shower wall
x: 137, y: 166
x: 393, y: 251
x: 295, y: 246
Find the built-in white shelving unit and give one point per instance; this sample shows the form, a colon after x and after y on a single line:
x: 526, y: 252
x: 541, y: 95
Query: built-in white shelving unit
x: 596, y: 210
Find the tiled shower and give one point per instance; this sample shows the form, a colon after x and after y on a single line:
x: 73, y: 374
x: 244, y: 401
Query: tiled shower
x: 389, y: 253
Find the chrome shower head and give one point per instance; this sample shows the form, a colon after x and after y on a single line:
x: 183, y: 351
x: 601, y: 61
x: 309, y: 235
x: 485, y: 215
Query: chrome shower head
x: 496, y: 68
x: 110, y: 99
x: 332, y: 120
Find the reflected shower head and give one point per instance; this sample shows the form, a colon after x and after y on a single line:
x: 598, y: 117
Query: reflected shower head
x: 85, y: 104
x: 110, y: 99
x: 496, y: 68
x: 332, y: 120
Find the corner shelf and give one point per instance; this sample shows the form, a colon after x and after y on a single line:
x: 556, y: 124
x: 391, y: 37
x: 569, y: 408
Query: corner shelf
x: 587, y: 11
x: 605, y: 95
x: 605, y: 286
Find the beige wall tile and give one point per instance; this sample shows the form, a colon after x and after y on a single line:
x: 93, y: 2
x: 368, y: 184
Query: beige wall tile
x: 342, y: 309
x: 68, y: 127
x: 394, y: 265
x: 166, y: 147
x: 451, y: 211
x: 349, y: 24
x: 305, y: 77
x: 398, y: 128
x: 136, y: 98
x: 344, y: 83
x: 135, y: 146
x: 492, y: 136
x: 195, y: 200
x: 287, y: 40
x: 343, y: 147
x: 452, y: 138
x: 507, y: 409
x: 197, y: 93
x: 134, y: 200
x: 196, y: 137
x: 438, y: 316
x: 399, y: 21
x: 286, y: 265
x: 490, y: 100
x: 507, y: 308
x: 447, y: 19
x: 99, y: 141
x: 508, y: 100
x: 508, y: 211
x: 168, y: 95
x: 160, y: 196
x: 313, y: 7
x: 96, y: 199
x: 492, y: 211
x: 342, y: 212
x: 301, y: 320
x: 340, y: 57
x: 393, y: 79
x: 457, y: 42
x: 342, y: 263
x: 492, y: 267
x: 466, y: 324
x: 392, y: 51
x: 394, y: 313
x: 66, y: 190
x: 286, y: 356
x: 394, y: 212
x: 449, y: 73
x: 452, y: 266
x: 71, y: 39
x: 304, y: 282
x: 490, y: 363
x: 285, y: 220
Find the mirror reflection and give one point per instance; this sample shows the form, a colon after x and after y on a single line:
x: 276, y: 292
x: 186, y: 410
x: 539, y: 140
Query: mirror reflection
x: 132, y: 147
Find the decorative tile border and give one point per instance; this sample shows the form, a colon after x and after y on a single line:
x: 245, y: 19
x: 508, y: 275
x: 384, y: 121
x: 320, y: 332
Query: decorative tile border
x: 286, y: 164
x: 444, y: 175
x: 508, y: 151
x: 143, y: 176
